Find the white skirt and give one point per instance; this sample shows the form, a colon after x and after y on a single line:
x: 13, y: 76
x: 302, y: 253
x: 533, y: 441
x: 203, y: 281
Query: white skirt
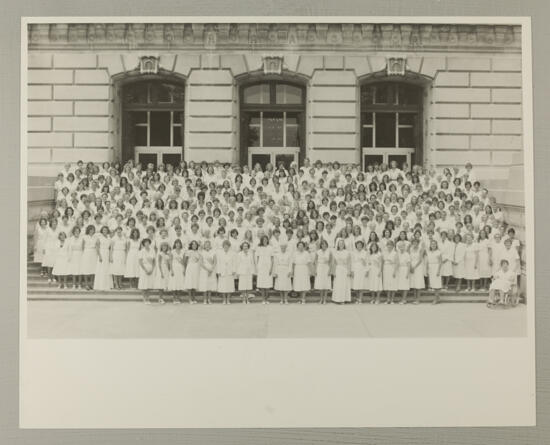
x: 403, y: 281
x: 301, y: 282
x: 416, y: 278
x: 359, y: 280
x: 374, y: 280
x: 88, y: 262
x: 146, y: 281
x: 341, y: 292
x: 131, y: 269
x: 283, y: 282
x: 76, y: 260
x: 322, y: 277
x: 388, y: 280
x: 191, y: 280
x: 245, y: 282
x: 434, y: 279
x: 226, y: 284
x: 118, y: 266
x: 208, y: 281
x: 103, y: 280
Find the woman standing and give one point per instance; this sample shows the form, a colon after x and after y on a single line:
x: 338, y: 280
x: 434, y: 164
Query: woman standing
x: 322, y: 262
x: 88, y: 261
x: 146, y: 261
x: 264, y: 261
x: 300, y: 271
x: 341, y: 292
x: 374, y: 282
x: 118, y: 257
x: 103, y: 280
x: 192, y: 269
x: 131, y: 270
x: 208, y: 281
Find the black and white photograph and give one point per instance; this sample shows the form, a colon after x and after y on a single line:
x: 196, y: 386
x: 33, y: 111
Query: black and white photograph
x: 361, y: 179
x: 235, y: 190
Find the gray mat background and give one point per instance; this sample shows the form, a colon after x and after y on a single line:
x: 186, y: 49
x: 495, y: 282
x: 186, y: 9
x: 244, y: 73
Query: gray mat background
x: 10, y: 14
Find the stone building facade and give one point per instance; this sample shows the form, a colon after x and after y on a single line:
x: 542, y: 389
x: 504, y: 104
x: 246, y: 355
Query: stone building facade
x: 430, y: 94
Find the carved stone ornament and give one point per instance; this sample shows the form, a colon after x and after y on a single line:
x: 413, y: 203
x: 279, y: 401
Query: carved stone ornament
x: 396, y: 66
x: 148, y: 65
x: 272, y: 64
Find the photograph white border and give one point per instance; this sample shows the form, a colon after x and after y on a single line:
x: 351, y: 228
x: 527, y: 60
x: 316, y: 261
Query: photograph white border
x: 281, y: 382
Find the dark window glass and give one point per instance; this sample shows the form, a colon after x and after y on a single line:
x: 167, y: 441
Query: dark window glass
x: 161, y: 93
x: 147, y: 158
x: 367, y: 95
x: 407, y: 118
x: 177, y: 137
x: 139, y: 117
x: 256, y: 94
x: 367, y: 118
x: 171, y: 158
x: 273, y: 129
x: 287, y: 94
x: 136, y: 93
x: 292, y: 127
x: 263, y: 160
x: 384, y: 93
x: 286, y: 160
x: 160, y: 128
x: 177, y: 117
x: 140, y: 136
x: 367, y: 136
x: 372, y: 160
x: 409, y: 95
x: 406, y: 138
x: 253, y: 130
x: 385, y: 129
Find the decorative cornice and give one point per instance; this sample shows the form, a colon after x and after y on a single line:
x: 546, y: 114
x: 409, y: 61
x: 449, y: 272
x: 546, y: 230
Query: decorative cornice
x: 269, y: 36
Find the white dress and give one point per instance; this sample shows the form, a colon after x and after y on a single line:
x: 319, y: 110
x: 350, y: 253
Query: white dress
x: 177, y: 276
x: 146, y: 280
x: 416, y: 280
x: 88, y: 261
x: 225, y: 267
x: 162, y: 272
x: 374, y: 279
x: 61, y: 265
x: 359, y: 268
x: 403, y: 271
x: 388, y: 270
x: 118, y: 246
x: 131, y: 269
x: 245, y: 269
x: 341, y: 291
x: 208, y: 281
x: 322, y: 270
x: 264, y: 258
x: 434, y: 257
x: 301, y: 282
x: 75, y: 255
x: 50, y: 248
x: 484, y: 268
x: 471, y: 272
x: 282, y: 268
x: 41, y: 237
x: 459, y: 256
x: 191, y: 280
x: 503, y: 281
x: 447, y: 256
x: 103, y: 280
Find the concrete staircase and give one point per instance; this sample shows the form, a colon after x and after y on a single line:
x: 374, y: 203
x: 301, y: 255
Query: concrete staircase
x: 38, y: 288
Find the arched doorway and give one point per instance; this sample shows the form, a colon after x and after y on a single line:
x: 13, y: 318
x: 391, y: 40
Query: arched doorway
x: 391, y: 122
x: 153, y: 121
x: 272, y: 122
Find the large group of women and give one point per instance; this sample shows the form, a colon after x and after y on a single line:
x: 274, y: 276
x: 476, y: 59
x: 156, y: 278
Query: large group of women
x: 218, y: 229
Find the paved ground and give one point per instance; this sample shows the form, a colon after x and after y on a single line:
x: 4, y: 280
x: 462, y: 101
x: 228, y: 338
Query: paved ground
x: 129, y: 319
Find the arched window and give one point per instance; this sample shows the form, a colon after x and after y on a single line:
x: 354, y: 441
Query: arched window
x: 391, y: 118
x: 272, y: 123
x: 153, y: 121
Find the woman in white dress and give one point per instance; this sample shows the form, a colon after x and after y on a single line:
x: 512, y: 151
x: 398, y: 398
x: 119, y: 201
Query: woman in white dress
x: 103, y: 280
x: 264, y: 262
x: 246, y: 269
x: 300, y: 271
x: 282, y: 271
x: 163, y: 271
x: 177, y: 276
x: 417, y: 282
x: 374, y: 281
x: 146, y: 261
x: 503, y: 281
x: 434, y: 270
x: 118, y: 257
x: 359, y: 270
x: 447, y: 248
x: 471, y: 263
x: 131, y: 270
x: 389, y: 271
x: 208, y: 281
x: 61, y: 268
x: 225, y: 269
x: 40, y: 239
x: 341, y: 259
x: 192, y: 268
x: 88, y: 262
x: 459, y: 256
x: 50, y: 248
x: 484, y: 263
x: 403, y: 272
x: 76, y: 249
x: 322, y: 263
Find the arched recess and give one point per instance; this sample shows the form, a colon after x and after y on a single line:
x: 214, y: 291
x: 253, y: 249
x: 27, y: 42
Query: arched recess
x: 151, y: 111
x: 392, y: 118
x: 272, y: 115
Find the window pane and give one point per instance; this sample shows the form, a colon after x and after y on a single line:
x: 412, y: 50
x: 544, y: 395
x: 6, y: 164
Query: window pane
x: 367, y: 137
x: 286, y: 160
x: 256, y: 94
x: 385, y: 129
x: 367, y: 119
x: 147, y: 158
x: 177, y: 137
x: 139, y: 117
x: 288, y: 94
x: 140, y: 136
x: 407, y: 118
x: 292, y: 130
x: 136, y: 93
x: 161, y: 93
x: 263, y: 160
x: 372, y: 160
x: 160, y: 128
x: 178, y: 94
x: 177, y: 117
x: 367, y: 95
x: 406, y: 138
x: 171, y: 158
x: 253, y: 135
x: 409, y: 95
x: 385, y: 93
x: 273, y: 129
